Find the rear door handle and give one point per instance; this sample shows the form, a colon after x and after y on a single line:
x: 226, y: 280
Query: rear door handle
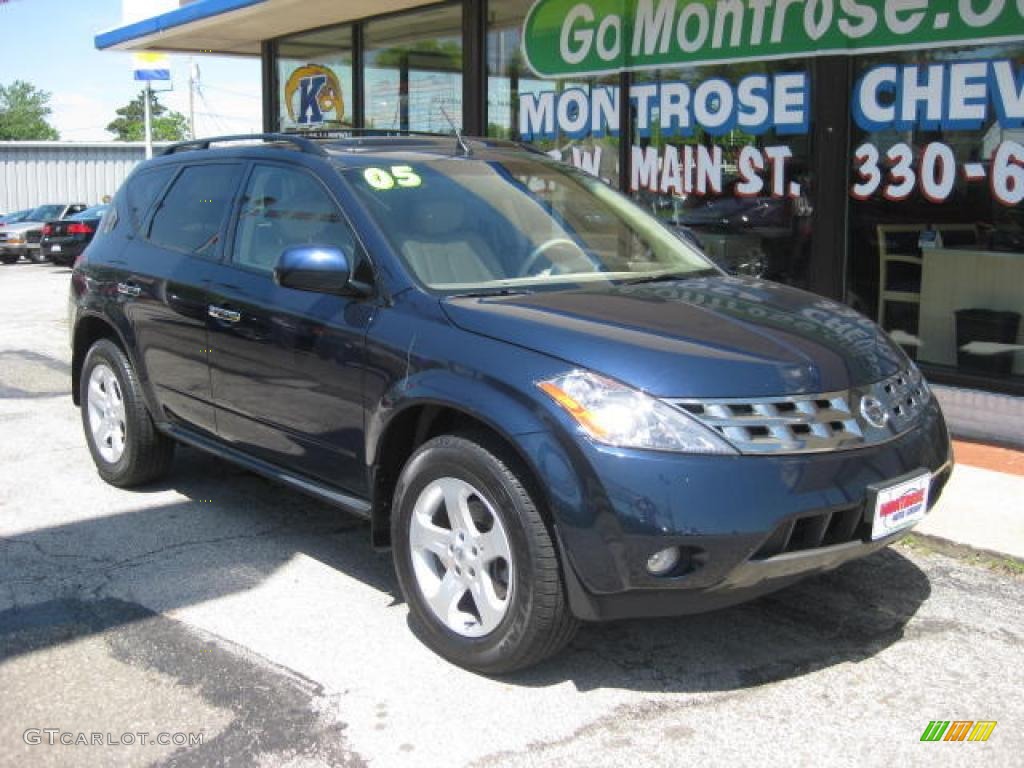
x: 128, y: 289
x: 228, y: 315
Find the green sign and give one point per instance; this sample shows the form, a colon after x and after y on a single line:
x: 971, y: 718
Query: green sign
x: 583, y: 37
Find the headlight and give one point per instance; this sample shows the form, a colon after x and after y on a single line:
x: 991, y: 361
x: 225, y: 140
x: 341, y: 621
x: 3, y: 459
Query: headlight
x: 614, y: 414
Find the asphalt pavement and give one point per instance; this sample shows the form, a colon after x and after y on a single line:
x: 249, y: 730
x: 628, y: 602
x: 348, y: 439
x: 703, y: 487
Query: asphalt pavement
x: 216, y: 607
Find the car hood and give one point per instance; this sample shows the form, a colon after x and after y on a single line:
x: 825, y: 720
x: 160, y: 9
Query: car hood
x: 699, y: 337
x: 22, y: 226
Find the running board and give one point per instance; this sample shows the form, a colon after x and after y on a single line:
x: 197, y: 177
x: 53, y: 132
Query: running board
x: 350, y: 504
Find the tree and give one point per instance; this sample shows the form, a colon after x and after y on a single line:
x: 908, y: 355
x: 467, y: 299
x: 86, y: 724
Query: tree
x: 130, y: 124
x: 23, y: 112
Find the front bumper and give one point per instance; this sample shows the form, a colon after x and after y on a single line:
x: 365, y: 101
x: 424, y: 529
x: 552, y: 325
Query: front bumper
x: 746, y: 524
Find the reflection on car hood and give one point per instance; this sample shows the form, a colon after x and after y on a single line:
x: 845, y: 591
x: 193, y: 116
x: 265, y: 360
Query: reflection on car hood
x: 702, y: 337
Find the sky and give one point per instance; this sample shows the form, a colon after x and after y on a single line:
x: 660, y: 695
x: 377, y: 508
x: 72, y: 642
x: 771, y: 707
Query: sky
x: 50, y: 44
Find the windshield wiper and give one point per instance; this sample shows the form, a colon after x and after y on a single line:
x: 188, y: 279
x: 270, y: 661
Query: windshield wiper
x: 490, y: 292
x: 670, y: 277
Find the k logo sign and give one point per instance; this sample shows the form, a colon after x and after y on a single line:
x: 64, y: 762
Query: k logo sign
x: 312, y: 95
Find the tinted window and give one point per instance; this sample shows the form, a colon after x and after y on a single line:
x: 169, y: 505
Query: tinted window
x: 282, y: 208
x: 142, y: 190
x: 190, y: 215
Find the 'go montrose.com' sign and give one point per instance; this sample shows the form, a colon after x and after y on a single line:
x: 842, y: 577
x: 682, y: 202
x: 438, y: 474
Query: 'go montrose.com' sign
x: 580, y: 37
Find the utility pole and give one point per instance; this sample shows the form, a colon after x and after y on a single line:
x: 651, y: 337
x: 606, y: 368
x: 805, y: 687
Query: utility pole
x: 193, y: 78
x: 149, y: 120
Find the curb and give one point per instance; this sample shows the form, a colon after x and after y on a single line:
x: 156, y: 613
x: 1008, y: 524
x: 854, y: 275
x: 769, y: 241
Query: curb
x: 960, y: 550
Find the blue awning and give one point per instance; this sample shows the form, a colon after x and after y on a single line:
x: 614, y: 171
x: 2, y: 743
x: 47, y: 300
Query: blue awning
x: 239, y: 26
x: 197, y: 11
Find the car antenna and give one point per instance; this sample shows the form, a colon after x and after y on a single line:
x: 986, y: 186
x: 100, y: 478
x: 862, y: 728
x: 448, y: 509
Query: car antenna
x: 458, y: 133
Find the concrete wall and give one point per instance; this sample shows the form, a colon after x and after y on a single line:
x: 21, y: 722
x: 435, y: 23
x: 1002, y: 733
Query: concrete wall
x: 987, y: 416
x: 37, y: 172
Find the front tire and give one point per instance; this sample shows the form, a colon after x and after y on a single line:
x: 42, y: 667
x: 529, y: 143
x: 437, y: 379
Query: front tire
x: 475, y: 559
x: 125, y: 444
x: 10, y: 258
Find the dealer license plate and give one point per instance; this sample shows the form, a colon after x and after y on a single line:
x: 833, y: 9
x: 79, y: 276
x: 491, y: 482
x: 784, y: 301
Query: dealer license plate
x: 900, y: 505
x: 54, y: 249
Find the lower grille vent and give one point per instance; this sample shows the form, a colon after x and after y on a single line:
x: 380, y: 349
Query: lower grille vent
x: 819, y: 530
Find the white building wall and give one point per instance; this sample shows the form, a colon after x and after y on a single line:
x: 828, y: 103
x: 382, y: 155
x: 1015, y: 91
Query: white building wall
x: 986, y: 416
x: 36, y: 172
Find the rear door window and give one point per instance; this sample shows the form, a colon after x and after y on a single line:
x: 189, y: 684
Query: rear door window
x: 192, y: 213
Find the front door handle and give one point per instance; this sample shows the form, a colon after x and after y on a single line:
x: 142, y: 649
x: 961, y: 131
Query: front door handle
x: 128, y: 289
x: 228, y: 315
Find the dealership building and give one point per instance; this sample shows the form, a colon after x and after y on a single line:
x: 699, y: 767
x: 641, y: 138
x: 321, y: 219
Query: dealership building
x: 870, y: 151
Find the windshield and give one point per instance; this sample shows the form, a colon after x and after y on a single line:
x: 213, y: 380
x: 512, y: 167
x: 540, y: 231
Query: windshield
x: 45, y: 212
x: 514, y: 221
x: 96, y: 212
x: 14, y: 218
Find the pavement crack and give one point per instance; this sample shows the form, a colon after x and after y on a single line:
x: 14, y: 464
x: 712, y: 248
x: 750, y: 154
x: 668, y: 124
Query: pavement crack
x: 144, y: 557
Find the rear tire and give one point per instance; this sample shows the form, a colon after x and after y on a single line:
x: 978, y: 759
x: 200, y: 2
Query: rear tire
x: 37, y: 256
x: 126, y: 446
x: 483, y: 582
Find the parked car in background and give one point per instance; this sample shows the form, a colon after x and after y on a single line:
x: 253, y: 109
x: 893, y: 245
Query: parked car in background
x: 22, y: 239
x: 15, y: 217
x: 64, y: 239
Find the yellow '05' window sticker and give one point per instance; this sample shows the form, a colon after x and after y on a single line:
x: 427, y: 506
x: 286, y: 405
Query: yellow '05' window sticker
x: 382, y: 179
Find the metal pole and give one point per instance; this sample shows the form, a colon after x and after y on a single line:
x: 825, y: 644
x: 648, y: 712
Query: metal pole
x: 191, y: 98
x: 149, y: 121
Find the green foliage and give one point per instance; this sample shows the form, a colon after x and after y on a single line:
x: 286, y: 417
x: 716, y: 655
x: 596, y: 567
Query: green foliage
x: 130, y: 124
x: 433, y: 54
x: 23, y: 112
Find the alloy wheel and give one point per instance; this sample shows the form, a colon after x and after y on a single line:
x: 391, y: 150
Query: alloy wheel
x: 107, y: 420
x: 461, y: 557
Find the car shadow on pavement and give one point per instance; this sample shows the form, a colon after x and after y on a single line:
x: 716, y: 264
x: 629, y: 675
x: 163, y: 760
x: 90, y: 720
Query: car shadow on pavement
x: 842, y: 616
x: 235, y: 530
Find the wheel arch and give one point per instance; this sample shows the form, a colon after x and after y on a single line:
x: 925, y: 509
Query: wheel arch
x: 411, y: 425
x: 418, y: 420
x: 88, y: 330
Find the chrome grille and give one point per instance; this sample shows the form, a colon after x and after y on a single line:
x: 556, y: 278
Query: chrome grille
x: 821, y: 422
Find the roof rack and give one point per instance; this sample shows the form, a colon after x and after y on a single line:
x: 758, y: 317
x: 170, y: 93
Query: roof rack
x: 304, y: 144
x: 355, y: 133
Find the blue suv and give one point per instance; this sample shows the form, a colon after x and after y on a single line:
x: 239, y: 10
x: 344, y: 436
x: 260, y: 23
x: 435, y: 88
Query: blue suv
x: 549, y: 406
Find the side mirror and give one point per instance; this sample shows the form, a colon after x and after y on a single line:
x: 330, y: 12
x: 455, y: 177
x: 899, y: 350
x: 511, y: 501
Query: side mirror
x: 316, y: 268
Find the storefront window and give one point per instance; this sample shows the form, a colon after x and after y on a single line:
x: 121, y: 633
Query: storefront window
x: 521, y: 105
x: 413, y: 71
x: 936, y: 239
x: 721, y: 153
x: 314, y: 76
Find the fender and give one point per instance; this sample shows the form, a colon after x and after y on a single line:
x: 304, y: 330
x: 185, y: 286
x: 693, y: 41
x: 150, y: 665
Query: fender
x: 573, y: 498
x: 126, y: 338
x: 491, y: 401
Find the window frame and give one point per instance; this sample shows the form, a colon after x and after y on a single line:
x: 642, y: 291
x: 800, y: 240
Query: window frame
x: 360, y: 255
x: 141, y: 228
x: 216, y: 254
